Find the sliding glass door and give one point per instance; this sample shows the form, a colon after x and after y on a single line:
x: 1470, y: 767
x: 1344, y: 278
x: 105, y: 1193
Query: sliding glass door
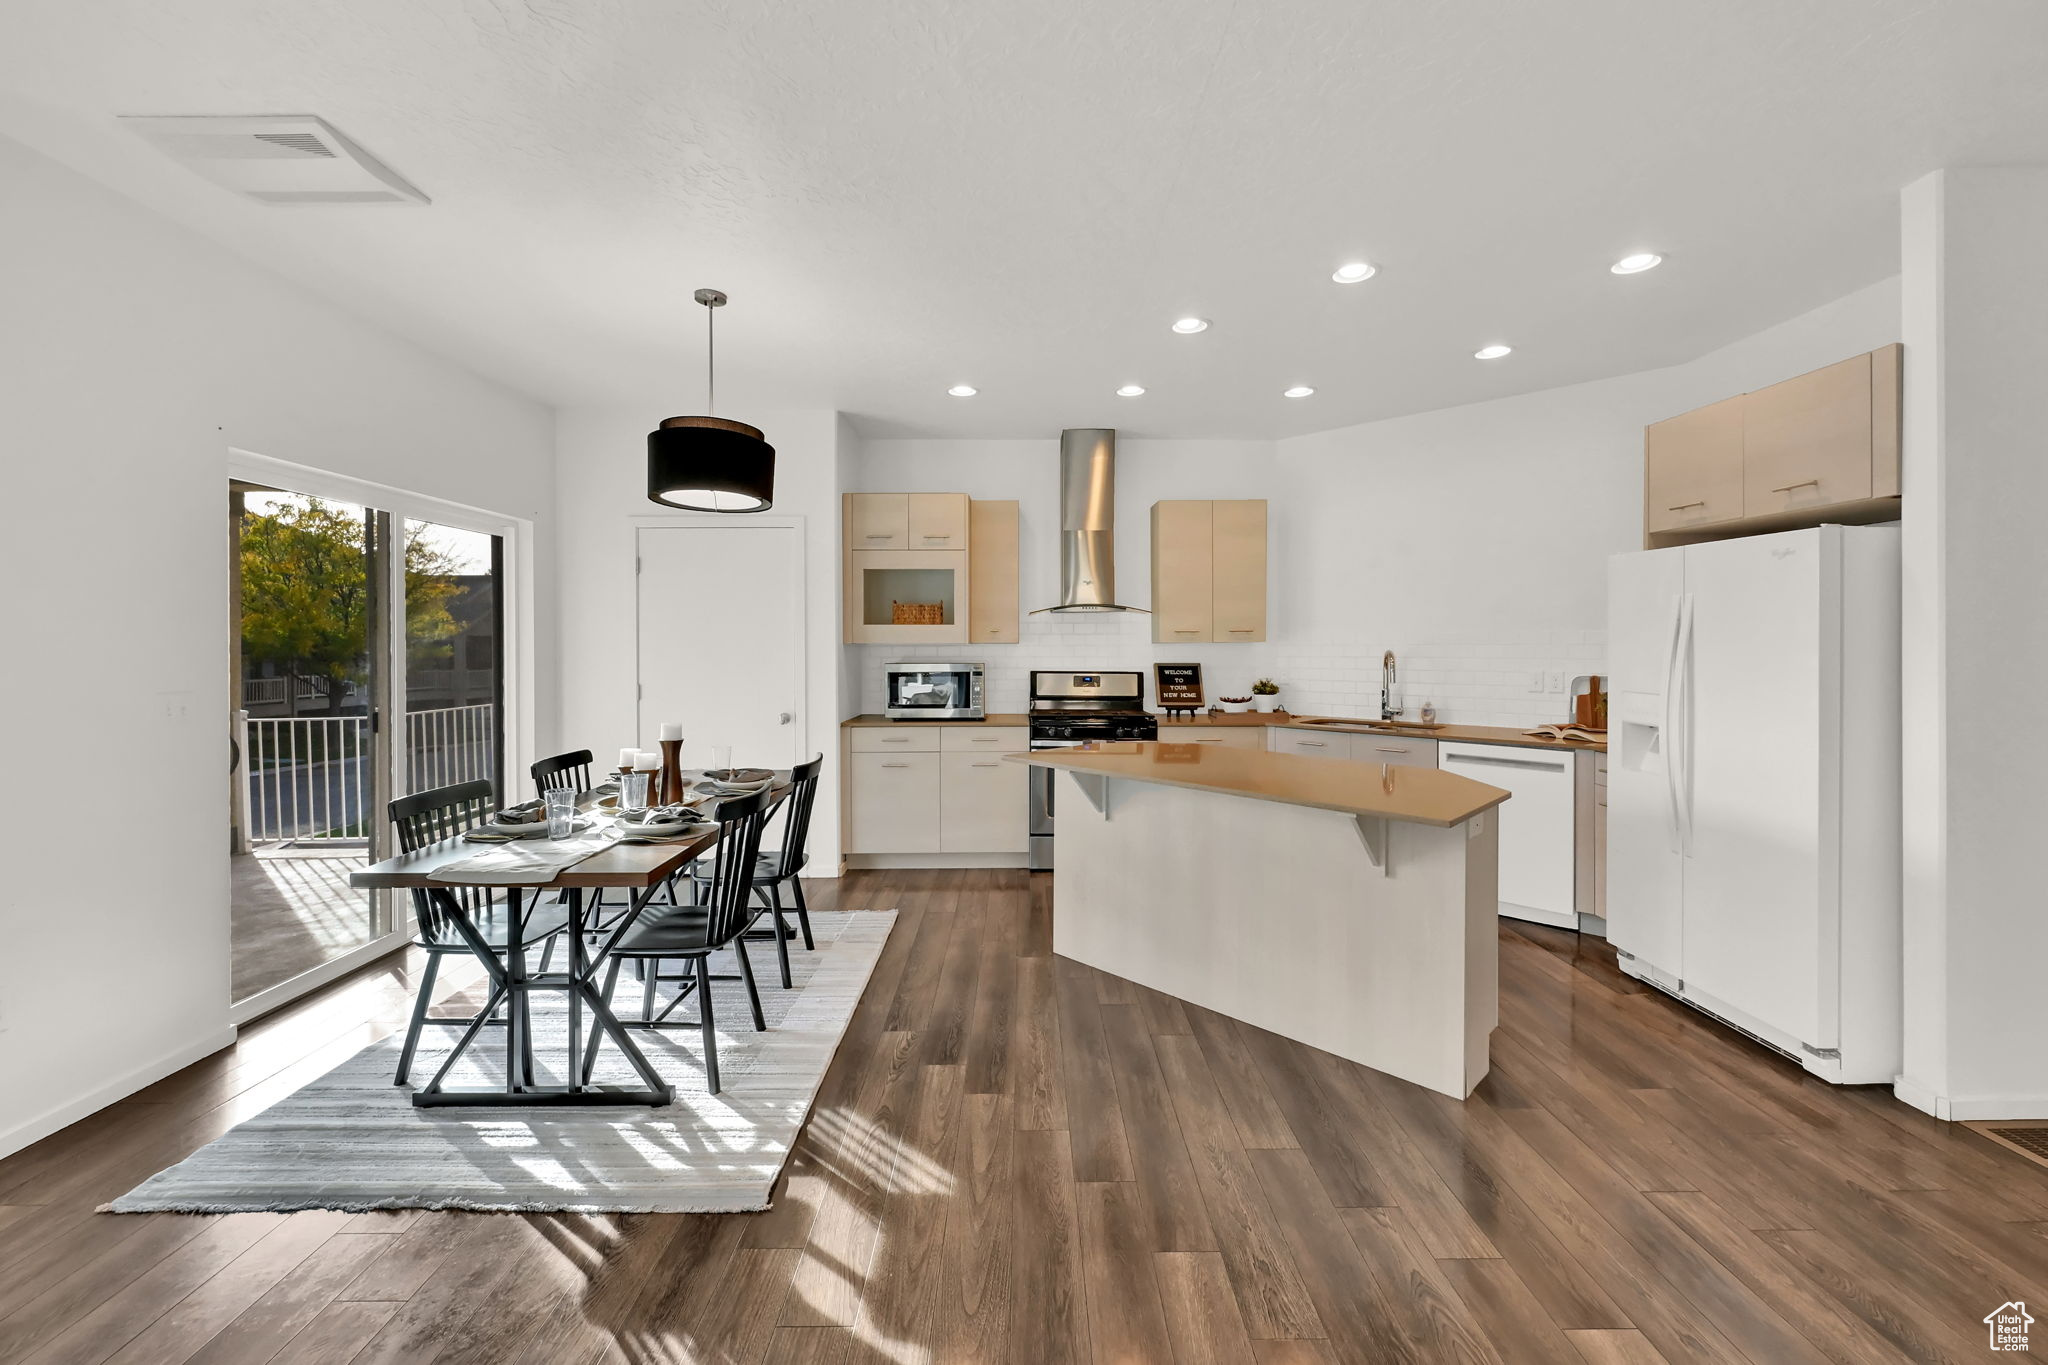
x: 348, y: 618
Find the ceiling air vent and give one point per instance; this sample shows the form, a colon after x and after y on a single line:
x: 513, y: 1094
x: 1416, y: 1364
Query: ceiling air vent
x: 286, y: 159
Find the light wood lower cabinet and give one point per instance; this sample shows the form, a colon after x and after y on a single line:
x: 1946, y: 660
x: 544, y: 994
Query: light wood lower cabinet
x: 893, y: 802
x: 938, y: 789
x: 983, y: 804
x: 1391, y: 750
x: 1228, y: 737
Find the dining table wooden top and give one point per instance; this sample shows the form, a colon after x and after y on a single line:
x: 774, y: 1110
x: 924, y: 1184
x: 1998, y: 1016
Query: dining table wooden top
x: 634, y: 866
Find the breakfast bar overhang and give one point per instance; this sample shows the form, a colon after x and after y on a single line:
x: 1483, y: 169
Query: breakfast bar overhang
x: 1348, y: 906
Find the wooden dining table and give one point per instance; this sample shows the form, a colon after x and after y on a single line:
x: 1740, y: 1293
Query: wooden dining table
x: 638, y: 869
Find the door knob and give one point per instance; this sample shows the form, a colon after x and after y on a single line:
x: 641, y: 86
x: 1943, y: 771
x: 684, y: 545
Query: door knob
x: 785, y: 718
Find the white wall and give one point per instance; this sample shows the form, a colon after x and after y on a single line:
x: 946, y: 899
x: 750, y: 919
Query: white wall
x: 133, y: 355
x: 1975, y: 569
x: 601, y: 490
x: 1472, y: 541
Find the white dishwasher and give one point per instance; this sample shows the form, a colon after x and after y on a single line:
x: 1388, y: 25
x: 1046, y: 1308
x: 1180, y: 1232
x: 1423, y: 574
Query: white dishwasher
x: 1536, y: 827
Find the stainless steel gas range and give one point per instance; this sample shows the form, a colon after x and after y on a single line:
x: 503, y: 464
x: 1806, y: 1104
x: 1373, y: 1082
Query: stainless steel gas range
x: 1076, y: 708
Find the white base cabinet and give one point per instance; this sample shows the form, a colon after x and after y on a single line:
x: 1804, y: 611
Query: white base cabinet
x: 1397, y: 750
x: 943, y: 790
x: 1538, y: 828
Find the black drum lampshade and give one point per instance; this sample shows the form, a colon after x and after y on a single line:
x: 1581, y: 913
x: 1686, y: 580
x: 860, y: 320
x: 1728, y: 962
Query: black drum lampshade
x: 710, y: 464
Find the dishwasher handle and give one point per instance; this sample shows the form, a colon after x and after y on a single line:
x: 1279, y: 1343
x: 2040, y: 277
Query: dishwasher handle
x: 1541, y: 764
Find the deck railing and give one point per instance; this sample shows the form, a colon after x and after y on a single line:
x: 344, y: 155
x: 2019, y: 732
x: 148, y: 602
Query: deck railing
x: 308, y: 777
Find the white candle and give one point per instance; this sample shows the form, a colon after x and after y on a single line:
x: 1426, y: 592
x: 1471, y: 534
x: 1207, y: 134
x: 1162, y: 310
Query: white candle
x: 627, y: 757
x: 671, y: 729
x: 649, y: 760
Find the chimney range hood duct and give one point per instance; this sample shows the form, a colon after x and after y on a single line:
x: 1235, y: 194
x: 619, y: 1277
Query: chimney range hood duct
x: 1087, y: 522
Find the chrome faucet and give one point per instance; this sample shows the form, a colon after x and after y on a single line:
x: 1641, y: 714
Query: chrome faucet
x: 1387, y: 686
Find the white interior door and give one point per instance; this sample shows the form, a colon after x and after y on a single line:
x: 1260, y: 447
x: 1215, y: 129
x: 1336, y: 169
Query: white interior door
x: 721, y: 625
x: 1753, y: 763
x: 1645, y: 895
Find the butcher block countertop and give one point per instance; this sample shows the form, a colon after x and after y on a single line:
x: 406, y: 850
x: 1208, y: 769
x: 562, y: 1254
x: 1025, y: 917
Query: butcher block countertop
x: 1464, y: 734
x: 1422, y: 796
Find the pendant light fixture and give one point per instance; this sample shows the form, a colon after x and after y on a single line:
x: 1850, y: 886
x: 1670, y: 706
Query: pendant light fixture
x: 709, y: 464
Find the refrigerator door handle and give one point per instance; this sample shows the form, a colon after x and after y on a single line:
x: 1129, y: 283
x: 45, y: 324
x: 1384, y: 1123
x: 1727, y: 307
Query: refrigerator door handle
x: 1667, y: 734
x: 1680, y: 740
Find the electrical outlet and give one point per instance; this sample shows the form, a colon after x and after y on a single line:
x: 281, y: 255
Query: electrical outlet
x: 1556, y: 682
x: 175, y: 707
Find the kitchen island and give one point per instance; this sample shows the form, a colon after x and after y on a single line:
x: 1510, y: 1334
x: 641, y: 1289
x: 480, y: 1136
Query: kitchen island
x: 1348, y: 906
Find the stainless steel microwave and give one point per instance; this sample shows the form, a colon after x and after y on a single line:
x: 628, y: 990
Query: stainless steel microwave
x: 933, y: 691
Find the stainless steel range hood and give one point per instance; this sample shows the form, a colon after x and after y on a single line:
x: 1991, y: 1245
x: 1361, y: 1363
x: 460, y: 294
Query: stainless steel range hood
x: 1087, y: 522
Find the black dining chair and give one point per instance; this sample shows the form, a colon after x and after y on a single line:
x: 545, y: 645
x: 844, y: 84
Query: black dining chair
x: 562, y: 770
x: 431, y: 817
x: 773, y: 869
x: 723, y: 914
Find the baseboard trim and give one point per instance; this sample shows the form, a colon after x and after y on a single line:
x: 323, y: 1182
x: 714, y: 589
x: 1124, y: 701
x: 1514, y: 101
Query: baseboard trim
x: 898, y: 861
x: 1977, y: 1108
x: 1922, y: 1097
x: 34, y: 1130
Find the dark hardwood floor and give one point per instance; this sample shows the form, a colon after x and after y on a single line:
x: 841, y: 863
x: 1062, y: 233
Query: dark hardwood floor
x: 1017, y: 1158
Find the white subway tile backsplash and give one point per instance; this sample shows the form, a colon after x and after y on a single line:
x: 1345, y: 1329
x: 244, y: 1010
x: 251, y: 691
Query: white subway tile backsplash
x: 1475, y: 676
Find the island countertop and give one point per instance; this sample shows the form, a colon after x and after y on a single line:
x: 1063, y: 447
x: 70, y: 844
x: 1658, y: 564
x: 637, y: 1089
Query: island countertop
x: 1421, y: 796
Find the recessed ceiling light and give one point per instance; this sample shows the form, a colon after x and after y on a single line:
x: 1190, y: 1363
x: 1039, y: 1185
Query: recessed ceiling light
x: 1298, y: 391
x: 1637, y: 264
x: 1189, y: 326
x: 963, y: 390
x: 1354, y: 272
x: 1131, y: 391
x: 1491, y: 352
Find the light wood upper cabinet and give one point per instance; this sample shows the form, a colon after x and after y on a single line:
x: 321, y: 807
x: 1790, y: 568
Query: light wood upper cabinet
x: 993, y: 601
x: 1806, y: 442
x: 1209, y: 571
x: 938, y: 521
x: 878, y: 521
x: 1821, y: 447
x: 1237, y: 569
x: 1692, y: 467
x: 1183, y: 606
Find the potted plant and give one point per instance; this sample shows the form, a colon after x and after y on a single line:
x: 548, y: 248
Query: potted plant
x: 1234, y: 704
x: 1266, y: 695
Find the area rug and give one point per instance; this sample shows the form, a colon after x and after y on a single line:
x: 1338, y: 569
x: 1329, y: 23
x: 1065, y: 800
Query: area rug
x: 352, y: 1140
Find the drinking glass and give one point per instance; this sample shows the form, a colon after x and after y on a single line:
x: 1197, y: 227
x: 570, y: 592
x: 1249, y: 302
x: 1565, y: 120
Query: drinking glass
x: 633, y: 791
x: 561, y: 803
x: 721, y: 759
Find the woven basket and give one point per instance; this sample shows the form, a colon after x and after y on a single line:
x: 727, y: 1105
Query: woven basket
x: 917, y: 613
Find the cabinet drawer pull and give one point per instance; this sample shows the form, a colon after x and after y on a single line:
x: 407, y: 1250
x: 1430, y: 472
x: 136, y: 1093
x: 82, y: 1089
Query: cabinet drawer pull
x: 984, y: 765
x: 1389, y: 749
x: 1241, y: 630
x: 895, y: 765
x: 1187, y: 632
x: 1683, y: 505
x: 887, y: 740
x: 1208, y: 739
x: 1506, y: 762
x: 930, y: 536
x: 891, y: 535
x: 981, y: 739
x: 1803, y: 483
x: 1311, y: 744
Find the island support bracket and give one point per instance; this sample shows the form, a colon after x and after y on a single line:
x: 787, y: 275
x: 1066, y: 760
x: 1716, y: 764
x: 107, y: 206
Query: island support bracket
x: 1372, y: 832
x: 1095, y: 787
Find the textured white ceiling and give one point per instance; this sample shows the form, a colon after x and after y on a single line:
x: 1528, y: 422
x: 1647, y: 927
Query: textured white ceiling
x: 904, y: 194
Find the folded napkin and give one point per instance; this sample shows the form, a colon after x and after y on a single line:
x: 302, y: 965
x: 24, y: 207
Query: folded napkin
x: 525, y: 813
x: 532, y: 862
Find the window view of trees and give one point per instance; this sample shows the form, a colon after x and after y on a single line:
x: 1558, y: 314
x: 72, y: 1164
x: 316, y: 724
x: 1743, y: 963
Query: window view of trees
x: 306, y: 600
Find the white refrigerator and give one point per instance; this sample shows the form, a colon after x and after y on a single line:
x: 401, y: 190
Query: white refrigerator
x: 1753, y: 855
